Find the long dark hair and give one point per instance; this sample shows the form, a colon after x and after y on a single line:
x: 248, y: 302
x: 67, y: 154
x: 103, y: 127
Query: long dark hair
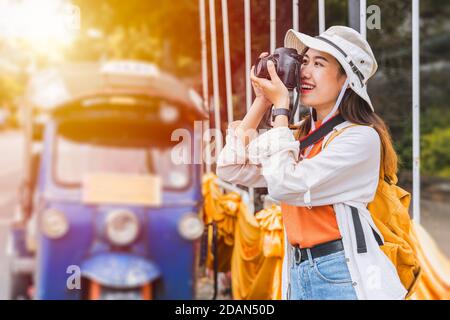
x: 356, y: 110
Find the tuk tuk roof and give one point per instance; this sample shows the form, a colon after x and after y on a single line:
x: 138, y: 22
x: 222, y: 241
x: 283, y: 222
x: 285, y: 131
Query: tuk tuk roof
x: 69, y: 84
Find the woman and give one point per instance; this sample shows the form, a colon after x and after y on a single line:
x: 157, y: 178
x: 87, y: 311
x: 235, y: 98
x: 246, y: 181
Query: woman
x: 320, y: 188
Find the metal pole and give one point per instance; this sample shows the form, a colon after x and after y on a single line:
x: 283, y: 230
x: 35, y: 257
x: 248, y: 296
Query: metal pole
x: 212, y: 19
x: 247, y: 22
x: 248, y: 53
x: 416, y: 109
x: 362, y: 18
x: 27, y: 107
x: 204, y: 53
x: 273, y: 25
x: 295, y: 15
x: 27, y: 113
x: 354, y: 14
x: 321, y: 16
x: 295, y: 26
x: 205, y: 79
x: 226, y: 49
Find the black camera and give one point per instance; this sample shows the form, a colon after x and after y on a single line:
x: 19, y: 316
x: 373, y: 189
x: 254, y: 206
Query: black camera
x: 287, y: 64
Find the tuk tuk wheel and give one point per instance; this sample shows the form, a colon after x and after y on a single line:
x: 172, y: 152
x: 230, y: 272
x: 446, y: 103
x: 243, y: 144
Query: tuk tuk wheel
x: 20, y: 284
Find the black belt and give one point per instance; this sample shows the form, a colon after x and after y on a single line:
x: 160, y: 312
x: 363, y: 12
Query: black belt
x: 320, y: 250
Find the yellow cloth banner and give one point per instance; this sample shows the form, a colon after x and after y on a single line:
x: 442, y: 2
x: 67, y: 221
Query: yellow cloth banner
x: 434, y: 284
x: 258, y: 255
x: 221, y: 208
x: 251, y: 246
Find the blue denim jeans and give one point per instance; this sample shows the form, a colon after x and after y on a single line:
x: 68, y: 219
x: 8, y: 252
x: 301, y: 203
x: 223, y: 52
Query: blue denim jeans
x: 323, y: 278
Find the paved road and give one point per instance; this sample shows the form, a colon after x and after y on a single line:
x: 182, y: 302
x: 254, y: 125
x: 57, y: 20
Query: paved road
x: 435, y: 218
x: 11, y: 165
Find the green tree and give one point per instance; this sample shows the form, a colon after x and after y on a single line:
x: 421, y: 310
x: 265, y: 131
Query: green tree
x: 163, y: 32
x: 435, y: 155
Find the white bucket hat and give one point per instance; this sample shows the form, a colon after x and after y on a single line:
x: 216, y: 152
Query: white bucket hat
x: 348, y: 47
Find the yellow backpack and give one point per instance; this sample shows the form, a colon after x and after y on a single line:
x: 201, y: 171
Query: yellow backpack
x: 389, y: 211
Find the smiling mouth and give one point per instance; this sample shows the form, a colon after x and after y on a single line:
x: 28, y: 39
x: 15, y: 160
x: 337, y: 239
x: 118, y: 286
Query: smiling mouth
x: 307, y: 88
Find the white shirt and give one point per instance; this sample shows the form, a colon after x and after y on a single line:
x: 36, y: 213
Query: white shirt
x: 343, y: 174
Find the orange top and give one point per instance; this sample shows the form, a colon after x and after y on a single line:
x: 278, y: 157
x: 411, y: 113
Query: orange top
x: 309, y: 227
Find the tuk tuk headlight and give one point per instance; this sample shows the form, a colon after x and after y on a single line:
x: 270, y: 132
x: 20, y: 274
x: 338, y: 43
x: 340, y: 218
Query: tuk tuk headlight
x: 190, y: 226
x: 122, y: 227
x: 168, y: 113
x: 54, y: 224
x: 178, y: 179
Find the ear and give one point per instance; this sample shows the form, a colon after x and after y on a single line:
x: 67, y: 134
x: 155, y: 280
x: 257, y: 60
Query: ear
x: 341, y: 80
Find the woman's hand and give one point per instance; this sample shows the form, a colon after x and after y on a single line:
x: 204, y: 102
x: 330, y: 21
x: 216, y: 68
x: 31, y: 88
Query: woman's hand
x: 273, y: 90
x: 256, y: 87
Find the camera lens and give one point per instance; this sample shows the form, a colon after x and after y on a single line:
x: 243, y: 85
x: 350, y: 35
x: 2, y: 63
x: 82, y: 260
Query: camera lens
x: 260, y: 68
x: 274, y: 60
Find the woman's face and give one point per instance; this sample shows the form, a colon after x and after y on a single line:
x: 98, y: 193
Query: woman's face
x: 321, y: 79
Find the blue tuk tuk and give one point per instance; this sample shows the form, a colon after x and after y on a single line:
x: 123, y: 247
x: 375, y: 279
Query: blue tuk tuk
x: 108, y: 213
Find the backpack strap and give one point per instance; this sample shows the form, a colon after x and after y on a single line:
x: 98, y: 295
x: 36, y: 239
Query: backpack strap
x: 389, y: 180
x: 338, y: 132
x: 361, y: 245
x: 359, y: 232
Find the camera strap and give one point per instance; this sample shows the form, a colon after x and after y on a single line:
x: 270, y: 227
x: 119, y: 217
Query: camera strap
x: 293, y: 107
x: 317, y: 137
x: 318, y: 134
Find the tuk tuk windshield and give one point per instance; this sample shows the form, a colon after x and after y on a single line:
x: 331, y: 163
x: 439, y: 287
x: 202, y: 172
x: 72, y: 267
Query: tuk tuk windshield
x: 74, y: 158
